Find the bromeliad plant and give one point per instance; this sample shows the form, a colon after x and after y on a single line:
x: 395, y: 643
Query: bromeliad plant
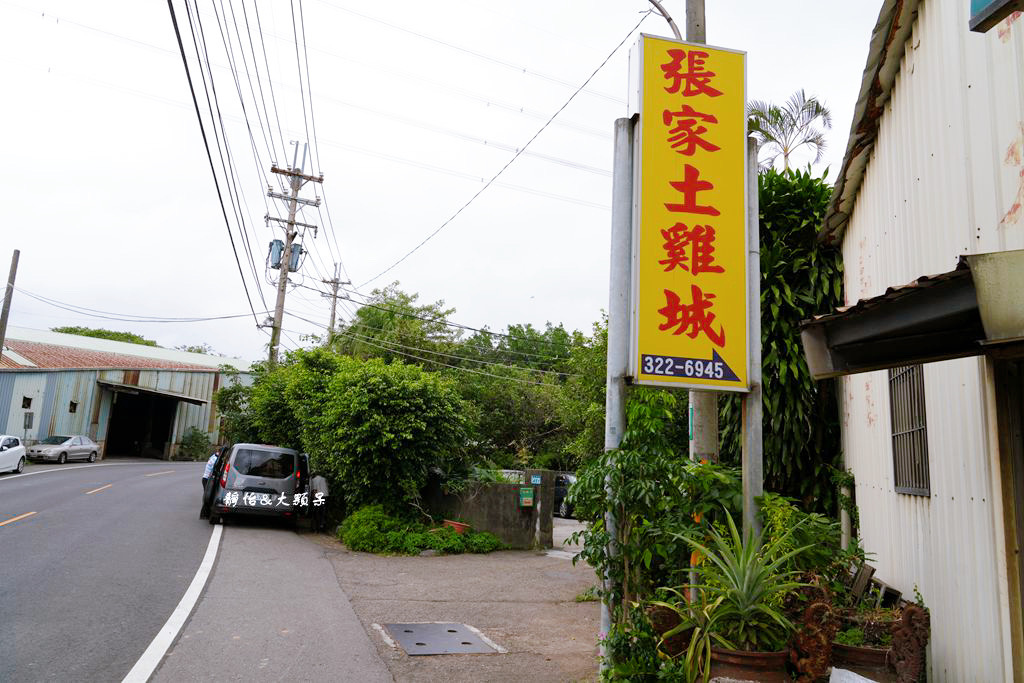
x: 697, y: 618
x: 746, y: 582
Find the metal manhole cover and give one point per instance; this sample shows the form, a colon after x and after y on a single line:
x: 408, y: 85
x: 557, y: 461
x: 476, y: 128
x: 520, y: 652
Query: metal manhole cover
x: 438, y: 639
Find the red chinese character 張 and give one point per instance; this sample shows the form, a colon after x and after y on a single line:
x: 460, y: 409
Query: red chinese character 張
x: 688, y: 130
x: 696, y: 245
x: 689, y: 187
x: 694, y: 318
x: 696, y: 78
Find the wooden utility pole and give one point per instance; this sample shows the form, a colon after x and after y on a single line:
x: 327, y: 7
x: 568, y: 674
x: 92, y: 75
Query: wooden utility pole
x: 8, y: 295
x: 296, y: 180
x: 335, y: 282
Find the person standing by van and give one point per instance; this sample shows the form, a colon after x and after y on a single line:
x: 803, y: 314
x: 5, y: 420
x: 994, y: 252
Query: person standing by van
x: 318, y: 490
x: 211, y: 462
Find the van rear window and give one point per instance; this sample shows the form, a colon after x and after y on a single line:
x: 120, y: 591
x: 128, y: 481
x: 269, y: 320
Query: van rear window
x: 271, y: 464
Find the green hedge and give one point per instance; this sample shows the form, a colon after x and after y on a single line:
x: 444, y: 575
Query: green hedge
x: 372, y: 530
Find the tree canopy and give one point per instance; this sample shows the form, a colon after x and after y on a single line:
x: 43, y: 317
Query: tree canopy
x: 101, y: 333
x: 781, y: 130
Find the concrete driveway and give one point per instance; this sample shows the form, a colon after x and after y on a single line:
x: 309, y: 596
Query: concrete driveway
x: 523, y: 601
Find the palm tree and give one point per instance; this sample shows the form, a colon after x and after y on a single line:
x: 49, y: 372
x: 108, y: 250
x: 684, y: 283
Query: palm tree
x: 781, y: 130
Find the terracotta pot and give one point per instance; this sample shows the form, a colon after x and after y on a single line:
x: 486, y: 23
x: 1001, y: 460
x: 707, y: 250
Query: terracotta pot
x: 459, y: 527
x: 767, y: 667
x: 877, y: 657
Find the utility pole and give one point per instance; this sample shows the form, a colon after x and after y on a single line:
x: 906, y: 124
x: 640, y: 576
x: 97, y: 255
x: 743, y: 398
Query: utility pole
x: 335, y: 282
x: 296, y: 180
x: 703, y: 404
x: 8, y: 295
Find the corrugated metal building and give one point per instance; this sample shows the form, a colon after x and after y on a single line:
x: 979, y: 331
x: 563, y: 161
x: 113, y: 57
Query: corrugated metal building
x: 129, y: 398
x: 933, y: 182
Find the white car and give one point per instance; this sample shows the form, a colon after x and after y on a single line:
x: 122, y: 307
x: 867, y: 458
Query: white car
x: 12, y: 454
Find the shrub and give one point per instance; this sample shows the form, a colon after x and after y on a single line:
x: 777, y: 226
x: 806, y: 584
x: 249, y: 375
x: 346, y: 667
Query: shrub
x: 371, y: 529
x: 195, y: 445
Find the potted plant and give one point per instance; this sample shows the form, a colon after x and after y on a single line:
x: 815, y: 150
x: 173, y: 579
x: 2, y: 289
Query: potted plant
x: 884, y: 640
x: 743, y: 582
x: 460, y: 527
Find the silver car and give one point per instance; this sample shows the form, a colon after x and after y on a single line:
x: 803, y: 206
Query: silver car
x: 64, y: 448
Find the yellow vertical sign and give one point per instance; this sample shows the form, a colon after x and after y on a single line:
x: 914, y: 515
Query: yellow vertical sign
x: 689, y: 324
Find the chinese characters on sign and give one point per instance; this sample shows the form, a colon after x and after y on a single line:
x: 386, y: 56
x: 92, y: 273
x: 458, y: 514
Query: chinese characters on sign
x: 251, y: 499
x: 690, y: 267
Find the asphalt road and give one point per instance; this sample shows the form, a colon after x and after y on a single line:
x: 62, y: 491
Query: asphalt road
x: 89, y: 579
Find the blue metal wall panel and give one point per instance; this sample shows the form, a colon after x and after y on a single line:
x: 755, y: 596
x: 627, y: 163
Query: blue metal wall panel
x: 46, y: 410
x: 6, y: 392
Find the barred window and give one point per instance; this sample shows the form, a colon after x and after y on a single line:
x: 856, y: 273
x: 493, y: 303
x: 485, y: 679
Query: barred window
x: 909, y: 431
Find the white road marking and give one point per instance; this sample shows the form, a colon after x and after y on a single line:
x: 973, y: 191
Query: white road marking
x: 384, y: 634
x: 15, y: 519
x: 99, y: 489
x: 157, y: 474
x: 563, y: 554
x: 150, y: 659
x: 75, y: 467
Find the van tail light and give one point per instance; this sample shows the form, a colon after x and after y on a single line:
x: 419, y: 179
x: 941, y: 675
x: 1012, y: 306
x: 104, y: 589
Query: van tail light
x: 224, y: 477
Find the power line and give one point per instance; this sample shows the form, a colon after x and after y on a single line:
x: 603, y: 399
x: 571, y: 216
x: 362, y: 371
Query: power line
x: 124, y: 317
x: 229, y: 177
x: 366, y: 339
x: 316, y: 149
x: 516, y: 67
x: 514, y: 157
x: 442, y: 321
x: 491, y: 349
x: 270, y: 81
x: 209, y: 156
x: 455, y: 367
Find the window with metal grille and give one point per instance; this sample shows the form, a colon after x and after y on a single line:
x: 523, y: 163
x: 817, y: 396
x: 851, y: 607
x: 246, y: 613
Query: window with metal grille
x: 909, y: 431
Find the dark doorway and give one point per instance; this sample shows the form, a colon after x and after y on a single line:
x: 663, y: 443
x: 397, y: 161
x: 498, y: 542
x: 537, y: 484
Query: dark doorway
x: 140, y: 425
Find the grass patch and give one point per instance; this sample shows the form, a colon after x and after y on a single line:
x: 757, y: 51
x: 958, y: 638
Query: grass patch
x: 588, y: 595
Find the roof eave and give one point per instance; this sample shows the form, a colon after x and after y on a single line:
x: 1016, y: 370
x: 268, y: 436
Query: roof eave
x: 885, y: 53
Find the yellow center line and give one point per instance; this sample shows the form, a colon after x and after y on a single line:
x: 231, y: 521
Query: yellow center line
x: 15, y: 519
x: 99, y: 489
x: 159, y: 473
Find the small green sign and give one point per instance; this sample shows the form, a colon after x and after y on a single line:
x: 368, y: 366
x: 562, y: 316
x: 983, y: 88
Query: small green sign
x: 526, y: 496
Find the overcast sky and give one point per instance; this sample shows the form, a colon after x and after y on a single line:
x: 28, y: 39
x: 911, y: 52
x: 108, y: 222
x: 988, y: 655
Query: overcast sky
x: 415, y: 104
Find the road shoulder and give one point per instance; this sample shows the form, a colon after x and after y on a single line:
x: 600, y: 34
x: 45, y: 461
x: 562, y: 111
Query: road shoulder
x: 272, y: 610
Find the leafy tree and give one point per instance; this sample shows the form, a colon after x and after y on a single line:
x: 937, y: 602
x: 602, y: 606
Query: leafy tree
x: 272, y: 417
x: 529, y: 347
x: 373, y: 428
x: 800, y: 278
x: 392, y: 319
x: 232, y: 401
x: 198, y: 348
x: 513, y: 418
x: 581, y: 404
x: 781, y: 130
x: 101, y: 333
x: 195, y: 444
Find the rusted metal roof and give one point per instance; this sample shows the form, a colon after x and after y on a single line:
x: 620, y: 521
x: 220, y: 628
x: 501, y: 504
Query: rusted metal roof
x: 895, y: 21
x: 891, y: 294
x: 55, y: 356
x: 971, y: 310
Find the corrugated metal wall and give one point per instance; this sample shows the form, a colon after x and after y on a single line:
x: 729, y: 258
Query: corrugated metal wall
x: 14, y: 389
x: 53, y: 392
x: 943, y: 180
